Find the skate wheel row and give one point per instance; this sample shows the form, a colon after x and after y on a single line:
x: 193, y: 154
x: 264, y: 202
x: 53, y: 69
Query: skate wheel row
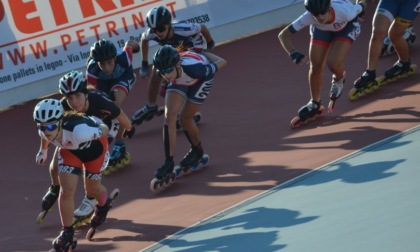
x: 297, y: 122
x: 120, y: 164
x: 71, y: 246
x: 41, y: 216
x: 181, y: 171
x: 158, y: 185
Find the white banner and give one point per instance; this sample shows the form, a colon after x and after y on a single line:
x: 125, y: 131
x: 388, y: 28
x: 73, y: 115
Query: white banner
x: 41, y: 38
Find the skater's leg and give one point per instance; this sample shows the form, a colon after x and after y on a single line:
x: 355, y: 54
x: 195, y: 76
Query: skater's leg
x: 153, y: 87
x: 68, y: 184
x: 187, y: 122
x: 380, y: 28
x: 396, y: 35
x: 95, y: 189
x: 317, y: 54
x: 338, y: 54
x: 173, y: 105
x: 54, y: 169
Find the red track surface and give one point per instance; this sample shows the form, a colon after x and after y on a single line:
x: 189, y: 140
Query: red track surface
x: 245, y: 130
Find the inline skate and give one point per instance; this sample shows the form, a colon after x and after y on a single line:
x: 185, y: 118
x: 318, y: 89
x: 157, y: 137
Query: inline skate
x: 84, y: 212
x: 100, y: 214
x: 388, y: 47
x: 65, y: 241
x: 307, y: 113
x: 119, y: 158
x: 164, y: 176
x: 48, y: 201
x: 336, y: 90
x: 146, y: 113
x: 194, y: 160
x: 368, y: 82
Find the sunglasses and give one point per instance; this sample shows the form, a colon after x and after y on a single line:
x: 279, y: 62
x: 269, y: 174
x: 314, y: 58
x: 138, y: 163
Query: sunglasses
x: 320, y: 13
x: 166, y: 70
x: 49, y: 127
x: 161, y: 28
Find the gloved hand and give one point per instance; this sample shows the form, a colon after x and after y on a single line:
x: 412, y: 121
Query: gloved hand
x: 296, y: 56
x: 96, y: 120
x: 41, y: 157
x: 144, y: 69
x: 211, y: 45
x: 129, y: 133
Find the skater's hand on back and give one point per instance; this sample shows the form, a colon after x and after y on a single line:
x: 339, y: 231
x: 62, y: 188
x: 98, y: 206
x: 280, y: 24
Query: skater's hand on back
x: 129, y: 133
x: 41, y: 157
x: 298, y: 58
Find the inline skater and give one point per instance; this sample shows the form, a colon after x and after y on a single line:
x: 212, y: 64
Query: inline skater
x: 334, y: 26
x: 111, y: 71
x: 82, y: 147
x: 162, y: 30
x: 188, y: 73
x: 392, y: 18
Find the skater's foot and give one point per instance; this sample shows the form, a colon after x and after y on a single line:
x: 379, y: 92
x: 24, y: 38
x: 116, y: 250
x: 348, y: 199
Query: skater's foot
x: 64, y: 239
x: 50, y: 197
x: 165, y: 169
x: 399, y: 68
x: 100, y: 214
x: 367, y: 78
x: 193, y: 156
x: 86, y: 208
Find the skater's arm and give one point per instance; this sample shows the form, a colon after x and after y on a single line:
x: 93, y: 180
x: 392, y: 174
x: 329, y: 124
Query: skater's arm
x: 41, y: 156
x: 218, y: 61
x: 144, y: 46
x: 207, y: 36
x: 285, y: 38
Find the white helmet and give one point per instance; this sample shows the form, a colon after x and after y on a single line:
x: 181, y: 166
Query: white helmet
x: 48, y: 110
x: 72, y: 82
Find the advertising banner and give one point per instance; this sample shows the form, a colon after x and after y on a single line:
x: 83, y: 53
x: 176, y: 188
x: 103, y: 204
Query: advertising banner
x: 43, y: 38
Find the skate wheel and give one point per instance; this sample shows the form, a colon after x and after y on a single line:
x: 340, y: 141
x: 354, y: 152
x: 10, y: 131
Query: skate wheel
x: 155, y: 185
x: 331, y: 106
x: 354, y: 94
x: 178, y: 171
x: 91, y: 232
x: 114, y: 194
x: 173, y: 177
x: 41, y: 216
x: 197, y: 117
x: 295, y: 122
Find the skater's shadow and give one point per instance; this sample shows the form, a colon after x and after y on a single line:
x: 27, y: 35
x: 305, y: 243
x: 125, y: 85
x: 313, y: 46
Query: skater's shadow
x: 377, y: 116
x: 268, y: 222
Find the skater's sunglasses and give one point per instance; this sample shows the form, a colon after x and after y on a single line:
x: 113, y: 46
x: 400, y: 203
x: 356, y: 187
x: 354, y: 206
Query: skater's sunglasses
x: 49, y: 127
x: 160, y: 28
x: 166, y: 70
x: 316, y: 14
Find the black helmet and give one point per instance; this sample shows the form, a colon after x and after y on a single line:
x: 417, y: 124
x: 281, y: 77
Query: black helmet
x: 73, y: 82
x: 165, y: 57
x: 158, y: 16
x: 103, y: 50
x: 316, y: 7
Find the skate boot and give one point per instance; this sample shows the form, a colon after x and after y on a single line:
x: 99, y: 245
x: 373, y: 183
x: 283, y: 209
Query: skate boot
x: 119, y: 158
x: 397, y: 71
x: 336, y: 90
x: 164, y: 176
x: 307, y: 113
x: 365, y: 84
x: 65, y: 240
x: 100, y: 214
x: 84, y: 212
x: 146, y: 113
x: 48, y: 201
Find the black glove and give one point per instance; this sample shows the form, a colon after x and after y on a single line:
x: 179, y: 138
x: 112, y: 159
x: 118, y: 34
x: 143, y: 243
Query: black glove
x: 129, y: 133
x: 296, y: 56
x: 210, y: 45
x: 144, y: 69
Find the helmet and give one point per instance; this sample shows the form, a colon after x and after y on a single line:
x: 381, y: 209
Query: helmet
x: 316, y: 7
x: 48, y: 110
x: 158, y: 16
x: 165, y: 57
x: 103, y: 50
x: 73, y: 82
